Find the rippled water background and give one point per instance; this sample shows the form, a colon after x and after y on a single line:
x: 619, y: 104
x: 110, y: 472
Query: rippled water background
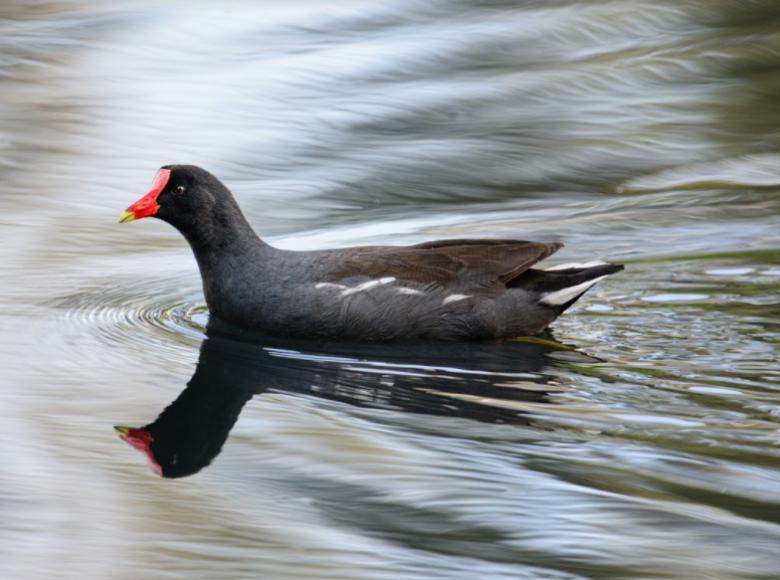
x: 646, y: 132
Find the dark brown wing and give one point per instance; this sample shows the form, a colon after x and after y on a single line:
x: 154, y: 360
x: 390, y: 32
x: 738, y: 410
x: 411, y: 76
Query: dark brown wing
x: 460, y: 264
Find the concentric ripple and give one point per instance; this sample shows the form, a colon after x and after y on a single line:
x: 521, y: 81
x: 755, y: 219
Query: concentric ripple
x: 141, y: 314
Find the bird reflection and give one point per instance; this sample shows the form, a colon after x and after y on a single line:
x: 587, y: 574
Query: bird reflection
x: 458, y: 379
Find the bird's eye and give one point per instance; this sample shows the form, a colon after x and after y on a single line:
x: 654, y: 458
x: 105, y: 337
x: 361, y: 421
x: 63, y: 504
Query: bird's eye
x: 180, y: 189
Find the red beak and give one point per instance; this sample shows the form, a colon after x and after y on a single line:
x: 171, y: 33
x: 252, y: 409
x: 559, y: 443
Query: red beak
x: 147, y: 205
x: 141, y: 440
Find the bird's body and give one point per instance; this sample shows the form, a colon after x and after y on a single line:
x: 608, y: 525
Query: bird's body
x: 444, y: 290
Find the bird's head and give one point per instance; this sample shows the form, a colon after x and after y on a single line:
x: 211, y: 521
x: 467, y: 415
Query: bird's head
x: 190, y: 199
x: 140, y: 439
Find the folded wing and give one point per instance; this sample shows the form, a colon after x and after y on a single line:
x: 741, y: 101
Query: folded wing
x: 465, y: 265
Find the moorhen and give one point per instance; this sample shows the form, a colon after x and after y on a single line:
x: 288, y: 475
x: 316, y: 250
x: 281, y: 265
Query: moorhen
x: 460, y: 289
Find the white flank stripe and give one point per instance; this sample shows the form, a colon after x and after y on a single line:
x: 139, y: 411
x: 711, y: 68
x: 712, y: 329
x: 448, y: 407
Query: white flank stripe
x: 575, y: 265
x: 321, y: 285
x: 367, y: 285
x: 410, y: 291
x: 455, y: 298
x: 563, y: 295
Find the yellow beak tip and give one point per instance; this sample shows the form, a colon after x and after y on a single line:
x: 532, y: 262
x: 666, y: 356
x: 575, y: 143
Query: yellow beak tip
x: 126, y: 216
x: 121, y: 430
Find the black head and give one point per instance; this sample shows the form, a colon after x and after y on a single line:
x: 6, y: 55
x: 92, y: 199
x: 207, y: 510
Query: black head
x: 175, y: 447
x: 190, y: 432
x: 192, y: 200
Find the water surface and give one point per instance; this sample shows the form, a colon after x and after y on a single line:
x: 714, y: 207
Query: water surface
x: 640, y: 440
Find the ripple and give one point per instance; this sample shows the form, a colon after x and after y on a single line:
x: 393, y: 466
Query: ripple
x: 140, y: 314
x: 748, y: 171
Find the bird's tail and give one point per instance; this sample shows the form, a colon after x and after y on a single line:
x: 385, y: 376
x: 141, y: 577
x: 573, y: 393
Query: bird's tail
x: 561, y: 286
